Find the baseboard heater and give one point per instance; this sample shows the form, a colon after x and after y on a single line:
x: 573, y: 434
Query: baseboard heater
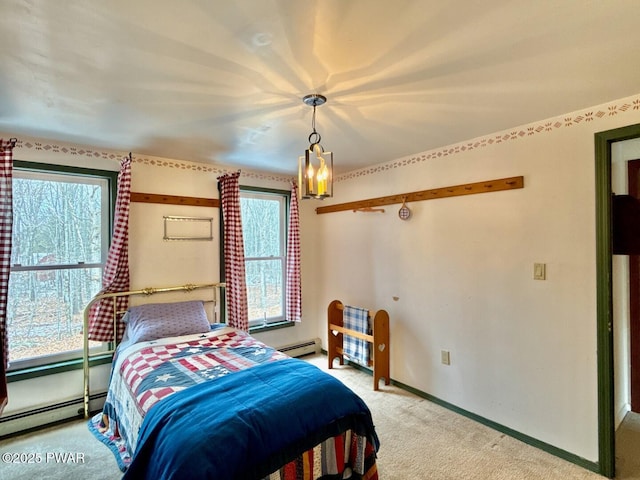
x: 302, y: 348
x: 28, y: 420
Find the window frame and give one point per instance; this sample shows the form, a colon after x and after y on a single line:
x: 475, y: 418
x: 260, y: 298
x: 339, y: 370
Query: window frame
x: 279, y: 322
x: 62, y: 359
x: 283, y: 197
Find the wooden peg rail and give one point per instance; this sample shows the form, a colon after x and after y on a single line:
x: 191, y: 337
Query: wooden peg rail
x: 368, y: 210
x: 487, y: 186
x: 174, y: 200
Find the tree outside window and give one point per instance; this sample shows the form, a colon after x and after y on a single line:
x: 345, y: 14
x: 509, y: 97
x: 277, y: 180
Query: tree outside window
x: 264, y: 215
x: 61, y: 222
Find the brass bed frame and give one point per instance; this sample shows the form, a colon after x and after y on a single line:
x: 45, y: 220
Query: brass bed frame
x: 87, y: 355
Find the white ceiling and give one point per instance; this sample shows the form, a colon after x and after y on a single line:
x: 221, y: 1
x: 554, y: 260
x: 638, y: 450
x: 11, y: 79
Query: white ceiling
x: 222, y: 80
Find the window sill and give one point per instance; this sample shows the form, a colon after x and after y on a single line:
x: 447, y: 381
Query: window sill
x: 270, y: 326
x: 57, y: 367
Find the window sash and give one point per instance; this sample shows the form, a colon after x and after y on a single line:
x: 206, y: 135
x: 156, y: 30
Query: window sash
x: 265, y: 311
x: 66, y: 175
x: 267, y: 315
x: 106, y: 181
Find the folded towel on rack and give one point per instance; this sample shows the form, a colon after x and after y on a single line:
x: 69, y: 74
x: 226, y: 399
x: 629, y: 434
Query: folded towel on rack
x: 355, y: 318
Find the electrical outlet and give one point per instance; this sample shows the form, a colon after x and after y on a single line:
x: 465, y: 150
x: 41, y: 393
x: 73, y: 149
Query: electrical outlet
x: 445, y: 357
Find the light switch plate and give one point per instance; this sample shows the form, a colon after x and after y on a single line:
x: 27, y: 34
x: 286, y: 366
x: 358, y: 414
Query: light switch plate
x: 445, y: 357
x: 539, y: 271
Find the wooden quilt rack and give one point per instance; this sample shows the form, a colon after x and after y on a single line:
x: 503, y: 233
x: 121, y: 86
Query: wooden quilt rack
x: 379, y: 340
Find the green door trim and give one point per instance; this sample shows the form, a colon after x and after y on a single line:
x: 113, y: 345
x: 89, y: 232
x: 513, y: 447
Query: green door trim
x: 606, y: 388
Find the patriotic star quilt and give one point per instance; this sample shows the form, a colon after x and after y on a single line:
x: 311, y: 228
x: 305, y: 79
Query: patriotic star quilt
x: 150, y: 378
x: 145, y: 373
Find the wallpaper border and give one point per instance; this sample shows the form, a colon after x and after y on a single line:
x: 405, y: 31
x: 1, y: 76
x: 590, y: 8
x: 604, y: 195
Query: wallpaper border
x: 544, y: 126
x: 536, y: 128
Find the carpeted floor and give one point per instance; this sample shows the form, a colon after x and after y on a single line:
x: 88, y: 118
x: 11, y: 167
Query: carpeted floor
x: 79, y: 455
x: 628, y: 448
x: 420, y: 440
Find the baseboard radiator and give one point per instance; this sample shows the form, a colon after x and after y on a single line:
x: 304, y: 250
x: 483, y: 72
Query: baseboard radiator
x: 34, y: 419
x: 302, y: 348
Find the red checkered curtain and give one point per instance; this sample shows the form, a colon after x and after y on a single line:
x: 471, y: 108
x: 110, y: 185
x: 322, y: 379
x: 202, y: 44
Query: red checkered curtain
x: 116, y: 272
x: 236, y: 290
x: 6, y: 223
x: 294, y: 290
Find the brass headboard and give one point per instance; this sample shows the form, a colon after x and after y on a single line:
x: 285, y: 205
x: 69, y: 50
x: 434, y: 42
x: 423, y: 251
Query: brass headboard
x: 87, y: 355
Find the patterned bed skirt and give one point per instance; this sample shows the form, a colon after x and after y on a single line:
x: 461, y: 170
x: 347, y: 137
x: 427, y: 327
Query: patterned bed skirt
x: 344, y: 456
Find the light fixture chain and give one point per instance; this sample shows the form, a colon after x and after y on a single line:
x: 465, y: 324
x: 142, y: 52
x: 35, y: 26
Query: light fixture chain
x: 314, y: 134
x: 313, y: 120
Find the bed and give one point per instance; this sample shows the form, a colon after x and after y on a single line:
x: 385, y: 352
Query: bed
x: 189, y: 398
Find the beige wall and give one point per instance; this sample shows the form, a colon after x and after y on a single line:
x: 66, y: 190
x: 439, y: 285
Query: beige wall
x: 154, y: 262
x: 523, y: 351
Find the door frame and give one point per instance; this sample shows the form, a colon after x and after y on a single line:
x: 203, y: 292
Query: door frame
x: 633, y: 175
x: 604, y: 294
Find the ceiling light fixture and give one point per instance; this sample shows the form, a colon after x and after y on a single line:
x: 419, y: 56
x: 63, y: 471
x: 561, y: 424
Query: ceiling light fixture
x: 315, y: 182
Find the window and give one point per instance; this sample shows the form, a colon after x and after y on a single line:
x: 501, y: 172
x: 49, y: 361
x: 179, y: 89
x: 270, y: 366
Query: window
x: 61, y: 225
x: 264, y: 226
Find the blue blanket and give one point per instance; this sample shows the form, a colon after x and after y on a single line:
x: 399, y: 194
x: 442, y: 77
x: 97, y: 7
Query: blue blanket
x: 247, y: 424
x: 356, y: 318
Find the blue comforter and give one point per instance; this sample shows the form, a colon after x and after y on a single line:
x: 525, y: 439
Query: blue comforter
x: 247, y: 424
